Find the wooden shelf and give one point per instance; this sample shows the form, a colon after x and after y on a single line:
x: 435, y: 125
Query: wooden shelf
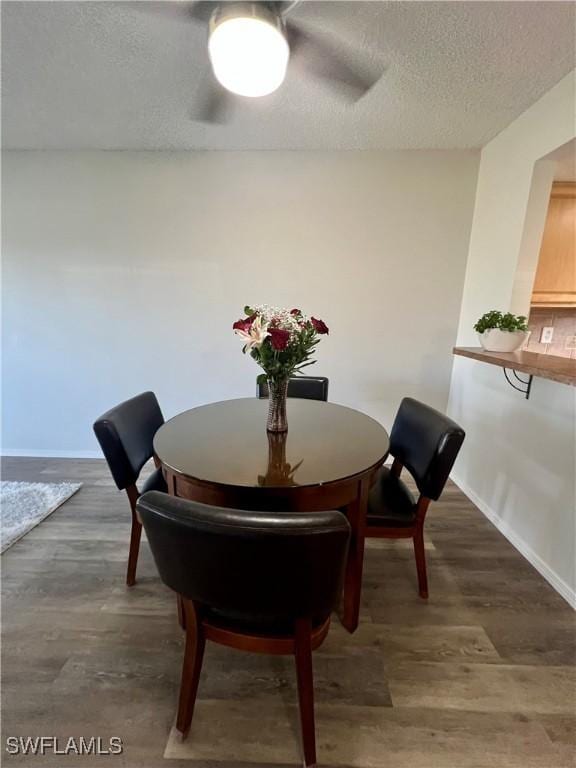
x: 561, y: 369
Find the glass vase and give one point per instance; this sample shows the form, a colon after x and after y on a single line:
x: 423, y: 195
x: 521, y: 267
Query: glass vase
x: 277, y: 393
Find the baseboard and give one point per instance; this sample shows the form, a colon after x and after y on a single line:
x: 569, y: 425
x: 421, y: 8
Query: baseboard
x: 518, y: 542
x: 40, y: 453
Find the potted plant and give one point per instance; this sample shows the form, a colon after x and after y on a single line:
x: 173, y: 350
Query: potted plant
x: 499, y: 332
x: 282, y: 342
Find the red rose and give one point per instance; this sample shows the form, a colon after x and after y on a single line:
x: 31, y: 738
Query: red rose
x: 319, y: 325
x: 279, y: 338
x: 295, y: 312
x: 245, y: 324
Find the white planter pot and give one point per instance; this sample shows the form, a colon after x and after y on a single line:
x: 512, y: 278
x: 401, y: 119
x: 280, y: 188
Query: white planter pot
x: 495, y: 340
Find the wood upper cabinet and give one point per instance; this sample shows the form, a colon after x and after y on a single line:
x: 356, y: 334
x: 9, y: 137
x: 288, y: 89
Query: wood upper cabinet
x: 555, y: 283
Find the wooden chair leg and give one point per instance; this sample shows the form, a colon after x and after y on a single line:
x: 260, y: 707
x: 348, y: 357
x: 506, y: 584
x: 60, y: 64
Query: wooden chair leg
x: 421, y: 563
x: 181, y: 611
x: 191, y: 668
x: 356, y: 514
x: 303, y: 654
x: 135, y: 535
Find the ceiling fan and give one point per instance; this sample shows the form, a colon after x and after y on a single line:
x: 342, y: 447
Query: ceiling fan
x: 250, y: 45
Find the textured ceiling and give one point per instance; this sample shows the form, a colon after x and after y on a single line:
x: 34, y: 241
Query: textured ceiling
x: 117, y: 76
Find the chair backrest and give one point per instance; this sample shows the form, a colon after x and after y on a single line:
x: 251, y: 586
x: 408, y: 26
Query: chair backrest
x: 126, y: 435
x: 307, y: 387
x: 270, y: 565
x: 427, y: 443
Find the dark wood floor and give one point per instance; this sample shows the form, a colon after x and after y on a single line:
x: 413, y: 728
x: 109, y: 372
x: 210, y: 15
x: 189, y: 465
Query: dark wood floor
x: 483, y: 674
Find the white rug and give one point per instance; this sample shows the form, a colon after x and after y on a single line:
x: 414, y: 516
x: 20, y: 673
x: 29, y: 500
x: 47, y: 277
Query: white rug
x: 24, y: 505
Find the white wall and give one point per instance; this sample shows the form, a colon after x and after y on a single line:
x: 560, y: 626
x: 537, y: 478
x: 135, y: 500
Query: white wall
x: 124, y: 271
x: 518, y: 459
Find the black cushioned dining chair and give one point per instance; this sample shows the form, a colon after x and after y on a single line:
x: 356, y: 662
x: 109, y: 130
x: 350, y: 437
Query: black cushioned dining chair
x: 426, y: 443
x: 125, y: 434
x: 306, y: 387
x: 255, y: 581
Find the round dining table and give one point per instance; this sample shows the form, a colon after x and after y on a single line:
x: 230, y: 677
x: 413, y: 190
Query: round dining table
x: 221, y: 454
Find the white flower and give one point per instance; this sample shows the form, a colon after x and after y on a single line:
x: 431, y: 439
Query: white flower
x: 280, y: 318
x: 255, y: 337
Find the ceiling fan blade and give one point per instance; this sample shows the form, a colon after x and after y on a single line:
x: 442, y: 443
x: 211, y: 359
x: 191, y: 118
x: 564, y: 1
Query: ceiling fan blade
x: 214, y: 104
x: 201, y: 10
x: 185, y: 11
x: 327, y: 61
x: 284, y: 6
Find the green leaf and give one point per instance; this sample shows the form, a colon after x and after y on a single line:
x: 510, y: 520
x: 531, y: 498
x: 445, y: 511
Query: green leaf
x: 248, y: 310
x: 504, y: 322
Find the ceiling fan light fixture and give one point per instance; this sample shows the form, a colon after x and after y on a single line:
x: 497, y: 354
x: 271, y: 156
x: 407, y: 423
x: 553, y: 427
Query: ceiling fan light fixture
x: 249, y: 52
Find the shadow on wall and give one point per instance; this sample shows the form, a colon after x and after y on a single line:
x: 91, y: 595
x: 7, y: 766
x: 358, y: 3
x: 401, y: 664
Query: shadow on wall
x: 533, y: 486
x: 381, y: 398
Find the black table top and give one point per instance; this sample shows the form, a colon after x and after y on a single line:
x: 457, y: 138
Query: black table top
x: 227, y: 443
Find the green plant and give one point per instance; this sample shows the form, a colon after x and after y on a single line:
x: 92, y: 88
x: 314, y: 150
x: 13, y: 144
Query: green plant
x: 507, y: 322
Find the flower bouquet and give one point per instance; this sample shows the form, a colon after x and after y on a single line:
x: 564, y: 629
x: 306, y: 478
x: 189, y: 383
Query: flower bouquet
x: 282, y: 342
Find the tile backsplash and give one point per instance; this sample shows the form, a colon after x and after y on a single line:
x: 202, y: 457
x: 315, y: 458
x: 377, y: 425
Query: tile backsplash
x: 563, y: 320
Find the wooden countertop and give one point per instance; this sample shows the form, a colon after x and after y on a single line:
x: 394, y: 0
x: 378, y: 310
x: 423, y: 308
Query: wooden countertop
x: 562, y: 369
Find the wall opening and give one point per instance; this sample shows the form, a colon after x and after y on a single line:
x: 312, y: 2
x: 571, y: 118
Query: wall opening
x: 545, y: 285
